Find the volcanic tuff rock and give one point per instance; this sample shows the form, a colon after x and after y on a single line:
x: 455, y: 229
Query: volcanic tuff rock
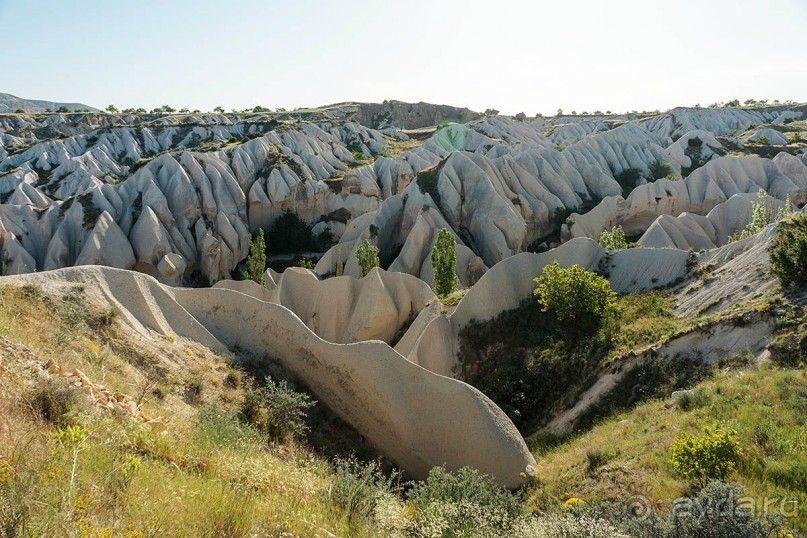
x: 416, y: 418
x: 714, y: 183
x: 195, y: 186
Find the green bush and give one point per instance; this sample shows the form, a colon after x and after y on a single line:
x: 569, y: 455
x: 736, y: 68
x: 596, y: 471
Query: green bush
x: 367, y: 254
x: 712, y: 456
x: 305, y: 264
x: 788, y: 253
x: 628, y: 179
x: 289, y: 233
x: 277, y: 410
x: 219, y: 427
x: 761, y: 216
x: 358, y: 487
x: 444, y: 263
x: 613, y: 239
x: 660, y: 169
x: 764, y: 140
x: 465, y: 503
x: 694, y: 142
x: 574, y: 296
x: 256, y: 261
x: 717, y: 511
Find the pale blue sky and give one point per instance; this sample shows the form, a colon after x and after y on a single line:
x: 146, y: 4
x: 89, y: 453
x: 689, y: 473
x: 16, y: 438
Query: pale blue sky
x: 513, y: 55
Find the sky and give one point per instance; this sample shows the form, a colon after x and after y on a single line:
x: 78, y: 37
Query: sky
x: 512, y: 55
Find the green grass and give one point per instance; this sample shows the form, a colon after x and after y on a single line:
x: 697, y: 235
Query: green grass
x: 207, y: 475
x: 643, y: 319
x: 767, y: 407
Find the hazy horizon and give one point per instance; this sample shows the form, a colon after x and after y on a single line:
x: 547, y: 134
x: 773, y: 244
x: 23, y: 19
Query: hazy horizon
x: 512, y: 56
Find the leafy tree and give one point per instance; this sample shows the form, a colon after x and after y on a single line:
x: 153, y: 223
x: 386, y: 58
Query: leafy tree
x: 574, y: 296
x: 559, y: 112
x: 444, y: 262
x: 63, y: 110
x: 19, y: 111
x: 788, y: 253
x: 184, y: 111
x: 112, y: 109
x: 762, y: 215
x: 614, y: 239
x: 168, y: 109
x: 290, y: 233
x: 304, y: 263
x: 256, y: 261
x: 367, y: 254
x: 712, y: 456
x: 218, y: 110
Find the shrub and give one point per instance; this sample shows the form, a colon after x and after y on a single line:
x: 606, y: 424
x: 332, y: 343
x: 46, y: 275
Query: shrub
x: 367, y: 254
x: 256, y: 261
x: 595, y: 459
x: 444, y: 262
x: 562, y: 213
x: 687, y: 400
x: 719, y: 510
x: 565, y: 526
x: 712, y: 456
x: 358, y: 488
x: 788, y: 253
x: 660, y: 169
x: 795, y: 137
x: 359, y: 156
x: 574, y: 295
x: 305, y: 263
x: 289, y: 233
x: 54, y: 400
x: 464, y: 503
x: 628, y: 179
x: 222, y: 428
x: 276, y: 410
x: 764, y: 140
x: 761, y: 216
x: 613, y: 239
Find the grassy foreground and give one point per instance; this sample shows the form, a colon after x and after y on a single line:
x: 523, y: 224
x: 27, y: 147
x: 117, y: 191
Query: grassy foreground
x: 68, y: 468
x: 629, y: 454
x: 71, y: 468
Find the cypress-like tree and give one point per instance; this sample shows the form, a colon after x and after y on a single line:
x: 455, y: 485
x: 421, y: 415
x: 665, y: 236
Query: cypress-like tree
x: 256, y: 261
x: 444, y: 262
